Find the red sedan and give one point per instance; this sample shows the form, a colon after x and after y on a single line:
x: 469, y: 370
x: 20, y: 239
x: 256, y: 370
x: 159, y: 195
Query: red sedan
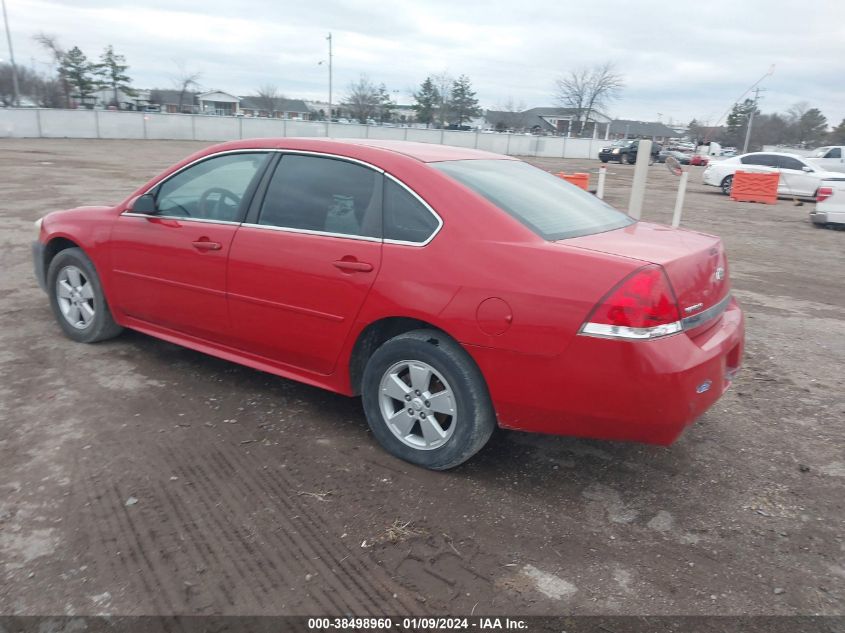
x: 454, y: 290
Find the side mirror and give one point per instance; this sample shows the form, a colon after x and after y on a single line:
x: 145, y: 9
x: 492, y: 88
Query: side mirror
x: 807, y: 168
x: 145, y: 204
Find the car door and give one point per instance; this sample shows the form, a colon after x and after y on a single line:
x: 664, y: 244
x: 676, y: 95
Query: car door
x: 794, y: 179
x: 302, y: 265
x: 169, y: 266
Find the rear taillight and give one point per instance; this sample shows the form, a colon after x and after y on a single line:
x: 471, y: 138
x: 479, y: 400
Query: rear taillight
x: 824, y: 193
x: 641, y: 306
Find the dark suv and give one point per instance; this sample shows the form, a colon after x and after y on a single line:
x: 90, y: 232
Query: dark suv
x: 626, y: 151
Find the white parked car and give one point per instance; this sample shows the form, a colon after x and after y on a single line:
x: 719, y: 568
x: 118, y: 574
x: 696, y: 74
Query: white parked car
x: 830, y: 203
x: 830, y: 158
x: 798, y: 178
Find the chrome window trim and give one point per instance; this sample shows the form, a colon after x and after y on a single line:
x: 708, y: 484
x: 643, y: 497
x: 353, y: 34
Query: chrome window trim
x: 285, y: 229
x: 422, y: 202
x: 301, y: 152
x: 149, y: 216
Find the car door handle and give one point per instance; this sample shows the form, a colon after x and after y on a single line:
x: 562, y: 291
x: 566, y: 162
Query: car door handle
x: 353, y: 266
x: 207, y: 245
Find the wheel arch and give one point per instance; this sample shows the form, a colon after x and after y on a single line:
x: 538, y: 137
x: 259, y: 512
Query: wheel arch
x: 56, y: 245
x: 374, y: 335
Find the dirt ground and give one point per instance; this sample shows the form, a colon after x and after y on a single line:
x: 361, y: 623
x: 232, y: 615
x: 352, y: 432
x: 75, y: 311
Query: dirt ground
x: 138, y: 477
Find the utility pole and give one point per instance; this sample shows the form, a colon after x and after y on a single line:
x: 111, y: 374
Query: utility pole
x: 329, y: 38
x: 17, y: 96
x: 750, y: 121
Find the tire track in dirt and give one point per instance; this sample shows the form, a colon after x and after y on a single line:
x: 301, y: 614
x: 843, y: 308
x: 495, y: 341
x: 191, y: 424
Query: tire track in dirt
x: 358, y: 582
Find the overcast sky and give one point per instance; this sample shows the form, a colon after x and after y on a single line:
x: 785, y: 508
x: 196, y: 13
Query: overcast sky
x: 680, y: 59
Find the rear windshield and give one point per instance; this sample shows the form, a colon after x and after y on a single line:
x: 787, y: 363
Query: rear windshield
x: 546, y: 204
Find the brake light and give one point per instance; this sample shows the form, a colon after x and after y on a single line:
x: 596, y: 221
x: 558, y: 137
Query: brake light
x: 641, y: 306
x: 824, y: 193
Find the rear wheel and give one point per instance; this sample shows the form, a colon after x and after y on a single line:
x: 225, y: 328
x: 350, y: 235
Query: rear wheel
x: 77, y: 299
x: 727, y: 183
x: 426, y: 400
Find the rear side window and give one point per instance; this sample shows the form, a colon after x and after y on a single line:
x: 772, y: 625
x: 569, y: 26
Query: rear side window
x: 311, y: 193
x: 546, y: 204
x: 406, y: 219
x: 766, y: 160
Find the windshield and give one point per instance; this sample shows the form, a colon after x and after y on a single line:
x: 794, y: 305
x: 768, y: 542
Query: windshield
x: 546, y: 204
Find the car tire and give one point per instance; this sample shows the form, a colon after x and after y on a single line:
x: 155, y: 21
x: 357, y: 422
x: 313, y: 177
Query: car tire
x: 604, y: 160
x: 436, y: 417
x: 77, y: 298
x: 651, y: 160
x: 726, y: 184
x: 630, y: 159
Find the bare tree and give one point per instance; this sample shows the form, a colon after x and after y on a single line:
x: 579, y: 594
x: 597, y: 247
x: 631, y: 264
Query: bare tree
x: 51, y: 44
x: 511, y: 113
x: 587, y: 89
x: 269, y: 98
x: 363, y: 99
x: 186, y: 82
x: 443, y: 83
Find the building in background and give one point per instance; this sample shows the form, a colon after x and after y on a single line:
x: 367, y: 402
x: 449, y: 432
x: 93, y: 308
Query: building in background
x: 549, y: 121
x: 276, y: 108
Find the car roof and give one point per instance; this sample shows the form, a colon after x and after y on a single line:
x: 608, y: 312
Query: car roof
x: 360, y: 148
x: 773, y: 154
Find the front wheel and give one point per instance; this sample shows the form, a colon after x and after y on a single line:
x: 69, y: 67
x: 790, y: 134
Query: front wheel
x: 77, y: 299
x: 426, y: 400
x: 726, y: 185
x: 630, y: 158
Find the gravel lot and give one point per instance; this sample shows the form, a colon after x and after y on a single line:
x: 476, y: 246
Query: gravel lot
x: 138, y: 477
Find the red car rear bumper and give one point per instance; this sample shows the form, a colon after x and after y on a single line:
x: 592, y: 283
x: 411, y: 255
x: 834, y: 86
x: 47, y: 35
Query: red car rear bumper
x: 646, y: 391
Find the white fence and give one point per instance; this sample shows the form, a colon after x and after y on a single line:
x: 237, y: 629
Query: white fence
x: 49, y: 123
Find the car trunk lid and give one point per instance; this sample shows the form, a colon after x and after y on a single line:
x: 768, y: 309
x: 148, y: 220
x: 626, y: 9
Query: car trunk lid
x: 694, y: 262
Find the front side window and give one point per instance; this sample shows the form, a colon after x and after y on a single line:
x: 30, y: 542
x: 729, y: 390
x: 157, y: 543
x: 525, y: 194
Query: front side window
x: 836, y: 152
x: 546, y: 204
x: 210, y: 190
x: 787, y: 162
x: 311, y: 193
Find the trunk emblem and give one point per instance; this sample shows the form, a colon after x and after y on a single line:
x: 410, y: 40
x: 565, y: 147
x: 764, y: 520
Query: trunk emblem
x: 719, y: 275
x: 693, y: 308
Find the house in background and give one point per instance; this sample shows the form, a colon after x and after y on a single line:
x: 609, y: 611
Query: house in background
x: 553, y: 121
x: 654, y: 130
x: 174, y: 101
x: 104, y: 98
x: 281, y: 108
x: 218, y: 102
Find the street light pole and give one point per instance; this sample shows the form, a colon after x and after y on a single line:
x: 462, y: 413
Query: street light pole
x: 750, y: 121
x: 17, y: 97
x: 329, y: 38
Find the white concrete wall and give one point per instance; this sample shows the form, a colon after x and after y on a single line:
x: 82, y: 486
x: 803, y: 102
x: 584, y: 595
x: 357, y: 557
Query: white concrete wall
x: 48, y: 123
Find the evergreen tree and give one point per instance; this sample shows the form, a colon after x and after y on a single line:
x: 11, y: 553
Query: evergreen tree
x: 427, y: 99
x: 837, y: 134
x: 737, y: 122
x: 78, y: 72
x: 112, y: 70
x: 385, y: 104
x: 463, y: 102
x: 813, y: 126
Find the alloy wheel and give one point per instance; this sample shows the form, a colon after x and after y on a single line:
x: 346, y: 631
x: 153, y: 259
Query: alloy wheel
x: 75, y: 296
x: 417, y: 404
